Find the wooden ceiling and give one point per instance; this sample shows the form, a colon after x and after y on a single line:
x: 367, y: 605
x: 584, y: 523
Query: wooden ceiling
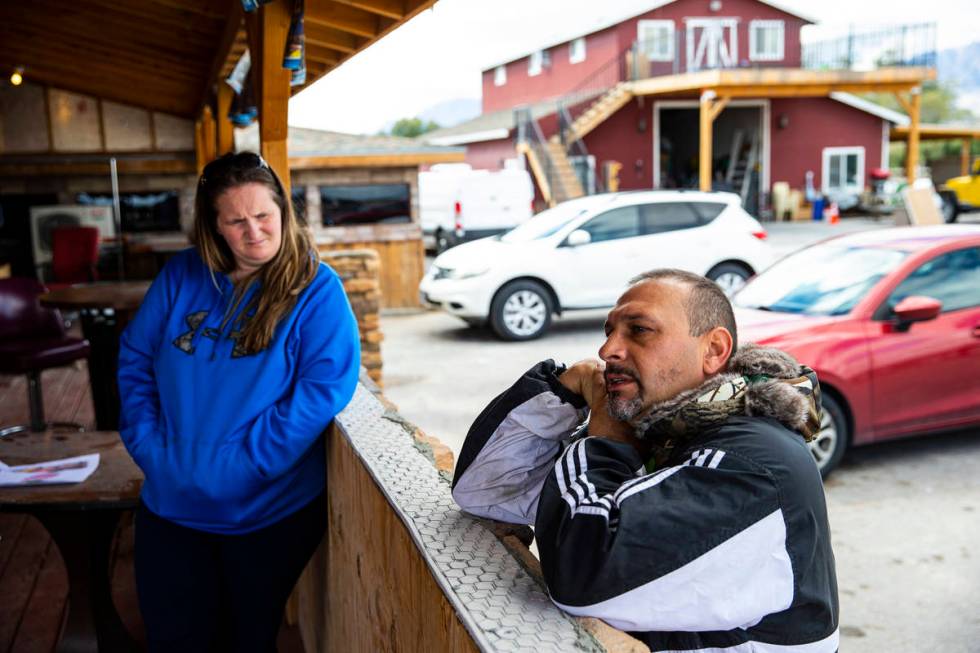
x: 167, y: 55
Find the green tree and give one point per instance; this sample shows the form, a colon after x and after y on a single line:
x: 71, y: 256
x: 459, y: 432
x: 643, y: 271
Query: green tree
x: 412, y: 127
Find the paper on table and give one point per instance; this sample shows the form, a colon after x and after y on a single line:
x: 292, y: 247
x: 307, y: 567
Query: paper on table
x: 51, y: 472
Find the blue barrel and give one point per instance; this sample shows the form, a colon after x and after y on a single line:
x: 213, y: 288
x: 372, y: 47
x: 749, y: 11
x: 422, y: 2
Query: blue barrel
x: 818, y: 209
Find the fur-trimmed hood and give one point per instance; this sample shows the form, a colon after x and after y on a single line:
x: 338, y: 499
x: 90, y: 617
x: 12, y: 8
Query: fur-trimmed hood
x: 760, y: 381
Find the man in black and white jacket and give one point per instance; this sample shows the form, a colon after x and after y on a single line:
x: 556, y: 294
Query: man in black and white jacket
x: 690, y: 513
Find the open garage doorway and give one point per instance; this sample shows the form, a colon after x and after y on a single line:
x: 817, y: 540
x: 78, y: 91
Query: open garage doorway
x: 740, y: 148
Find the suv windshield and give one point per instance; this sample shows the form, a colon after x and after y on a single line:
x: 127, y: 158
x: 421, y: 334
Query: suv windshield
x: 820, y: 280
x: 546, y: 223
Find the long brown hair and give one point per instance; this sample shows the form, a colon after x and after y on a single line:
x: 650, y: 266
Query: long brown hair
x: 292, y: 268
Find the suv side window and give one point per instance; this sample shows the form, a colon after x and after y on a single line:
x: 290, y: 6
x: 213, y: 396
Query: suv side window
x: 669, y: 216
x: 708, y: 211
x: 623, y: 222
x: 952, y: 278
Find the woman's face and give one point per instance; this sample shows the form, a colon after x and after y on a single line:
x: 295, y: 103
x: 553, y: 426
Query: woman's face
x: 251, y: 223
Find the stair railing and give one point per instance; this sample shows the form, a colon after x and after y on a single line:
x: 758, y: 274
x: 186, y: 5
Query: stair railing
x: 575, y: 147
x: 531, y: 141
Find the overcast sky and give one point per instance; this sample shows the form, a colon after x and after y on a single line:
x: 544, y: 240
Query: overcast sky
x: 439, y: 54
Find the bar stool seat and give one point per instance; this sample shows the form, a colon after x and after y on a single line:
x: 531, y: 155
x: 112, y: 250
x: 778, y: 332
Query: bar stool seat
x: 33, y: 339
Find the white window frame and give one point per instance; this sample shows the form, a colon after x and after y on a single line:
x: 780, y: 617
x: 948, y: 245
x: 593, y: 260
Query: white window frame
x: 755, y: 53
x: 535, y: 63
x: 830, y: 152
x: 500, y: 75
x: 576, y: 50
x: 641, y: 28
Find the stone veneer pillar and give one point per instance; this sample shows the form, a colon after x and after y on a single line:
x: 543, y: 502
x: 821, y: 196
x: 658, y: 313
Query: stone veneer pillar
x: 358, y: 268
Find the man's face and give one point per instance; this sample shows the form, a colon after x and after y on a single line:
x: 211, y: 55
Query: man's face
x: 649, y: 353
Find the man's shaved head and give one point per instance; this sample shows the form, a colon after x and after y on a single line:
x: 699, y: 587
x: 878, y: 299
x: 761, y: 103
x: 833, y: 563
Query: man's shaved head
x: 707, y: 305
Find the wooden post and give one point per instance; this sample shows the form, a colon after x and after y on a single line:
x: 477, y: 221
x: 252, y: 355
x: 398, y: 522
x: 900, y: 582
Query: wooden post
x: 226, y: 131
x: 199, y: 152
x: 267, y: 38
x: 912, y: 154
x: 710, y: 108
x: 966, y: 145
x: 204, y: 139
x: 207, y: 133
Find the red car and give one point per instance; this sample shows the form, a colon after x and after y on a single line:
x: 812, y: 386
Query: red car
x: 890, y: 321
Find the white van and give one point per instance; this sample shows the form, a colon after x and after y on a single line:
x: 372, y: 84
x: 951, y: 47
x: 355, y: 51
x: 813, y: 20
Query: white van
x: 457, y: 203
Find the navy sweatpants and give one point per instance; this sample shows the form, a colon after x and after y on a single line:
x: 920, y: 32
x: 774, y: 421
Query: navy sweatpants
x: 205, y: 592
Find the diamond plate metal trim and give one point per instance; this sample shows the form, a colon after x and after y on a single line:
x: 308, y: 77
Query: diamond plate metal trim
x: 499, y: 603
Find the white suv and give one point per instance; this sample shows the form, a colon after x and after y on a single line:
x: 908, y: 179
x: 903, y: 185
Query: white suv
x: 581, y: 254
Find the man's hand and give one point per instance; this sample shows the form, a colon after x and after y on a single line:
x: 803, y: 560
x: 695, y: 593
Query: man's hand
x: 586, y: 378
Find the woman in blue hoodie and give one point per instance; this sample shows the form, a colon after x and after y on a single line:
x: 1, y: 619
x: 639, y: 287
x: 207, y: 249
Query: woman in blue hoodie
x: 243, y: 350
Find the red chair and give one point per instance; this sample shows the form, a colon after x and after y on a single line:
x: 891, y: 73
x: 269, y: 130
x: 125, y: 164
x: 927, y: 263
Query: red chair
x: 32, y: 339
x: 74, y: 256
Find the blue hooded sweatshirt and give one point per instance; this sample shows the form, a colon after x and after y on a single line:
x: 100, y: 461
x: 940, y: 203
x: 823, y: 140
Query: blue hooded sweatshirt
x: 231, y: 442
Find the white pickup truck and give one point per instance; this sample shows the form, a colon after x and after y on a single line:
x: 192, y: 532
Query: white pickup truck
x: 458, y: 204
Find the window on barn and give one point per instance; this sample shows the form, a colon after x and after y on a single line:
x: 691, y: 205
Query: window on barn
x: 500, y: 75
x: 535, y: 63
x: 576, y: 50
x: 365, y: 204
x: 656, y: 39
x: 843, y: 169
x: 766, y: 40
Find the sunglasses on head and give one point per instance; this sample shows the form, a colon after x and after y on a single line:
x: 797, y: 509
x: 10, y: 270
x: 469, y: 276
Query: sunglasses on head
x: 236, y: 161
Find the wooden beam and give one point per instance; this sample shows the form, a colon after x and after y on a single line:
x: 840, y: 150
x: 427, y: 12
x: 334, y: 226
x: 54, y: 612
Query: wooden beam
x: 335, y: 39
x: 346, y: 19
x: 912, y: 152
x: 719, y: 106
x: 226, y: 131
x: 387, y: 8
x: 705, y: 135
x: 937, y: 132
x: 208, y: 135
x: 406, y: 160
x: 125, y: 166
x: 221, y: 54
x: 272, y: 27
x: 200, y: 158
x: 769, y: 82
x: 906, y: 104
x: 326, y: 55
x: 965, y: 146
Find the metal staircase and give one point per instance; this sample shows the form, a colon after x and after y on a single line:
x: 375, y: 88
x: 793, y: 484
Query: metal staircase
x: 608, y: 103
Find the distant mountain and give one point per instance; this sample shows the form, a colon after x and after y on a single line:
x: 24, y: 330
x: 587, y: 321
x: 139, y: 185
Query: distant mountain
x: 452, y: 112
x: 961, y: 67
x: 447, y: 113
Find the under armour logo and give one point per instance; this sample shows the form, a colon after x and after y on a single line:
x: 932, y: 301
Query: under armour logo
x: 185, y: 340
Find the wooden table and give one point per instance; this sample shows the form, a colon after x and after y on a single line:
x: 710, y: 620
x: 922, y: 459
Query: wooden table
x: 81, y: 519
x: 105, y: 310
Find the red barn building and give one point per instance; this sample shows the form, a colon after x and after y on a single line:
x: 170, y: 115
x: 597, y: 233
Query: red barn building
x: 690, y: 93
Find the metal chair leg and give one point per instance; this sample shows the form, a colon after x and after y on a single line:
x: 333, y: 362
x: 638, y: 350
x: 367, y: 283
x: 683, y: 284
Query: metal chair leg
x: 35, y: 399
x: 35, y: 402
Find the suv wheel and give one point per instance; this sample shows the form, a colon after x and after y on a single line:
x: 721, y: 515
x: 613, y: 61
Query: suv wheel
x: 829, y: 444
x: 729, y: 276
x: 521, y: 311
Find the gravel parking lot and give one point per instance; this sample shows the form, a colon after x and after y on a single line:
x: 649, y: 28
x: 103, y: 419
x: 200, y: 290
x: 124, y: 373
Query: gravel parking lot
x: 905, y: 515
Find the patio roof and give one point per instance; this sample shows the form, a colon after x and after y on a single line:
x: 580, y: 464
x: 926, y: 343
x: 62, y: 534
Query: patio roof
x: 167, y: 55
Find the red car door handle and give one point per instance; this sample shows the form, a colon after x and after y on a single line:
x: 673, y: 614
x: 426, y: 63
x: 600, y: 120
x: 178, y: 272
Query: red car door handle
x: 976, y: 331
